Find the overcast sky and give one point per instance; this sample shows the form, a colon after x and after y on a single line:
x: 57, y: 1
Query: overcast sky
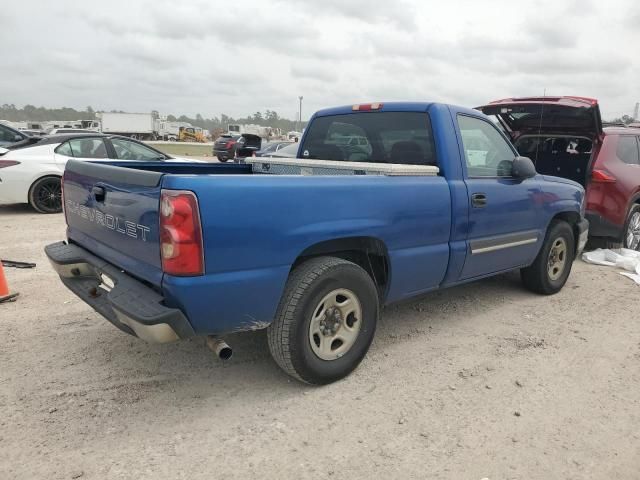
x: 213, y: 57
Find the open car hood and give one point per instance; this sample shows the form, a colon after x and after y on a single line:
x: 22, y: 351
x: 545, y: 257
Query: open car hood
x: 578, y: 115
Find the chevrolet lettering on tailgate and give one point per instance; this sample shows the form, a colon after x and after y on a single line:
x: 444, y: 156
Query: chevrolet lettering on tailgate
x: 125, y: 227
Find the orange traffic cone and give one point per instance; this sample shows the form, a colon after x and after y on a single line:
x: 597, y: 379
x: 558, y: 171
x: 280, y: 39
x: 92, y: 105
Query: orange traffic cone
x: 5, y: 296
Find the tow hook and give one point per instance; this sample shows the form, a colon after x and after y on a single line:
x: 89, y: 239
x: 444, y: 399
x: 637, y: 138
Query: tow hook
x: 219, y: 347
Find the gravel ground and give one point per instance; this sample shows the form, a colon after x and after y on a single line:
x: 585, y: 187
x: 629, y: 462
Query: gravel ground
x: 481, y: 381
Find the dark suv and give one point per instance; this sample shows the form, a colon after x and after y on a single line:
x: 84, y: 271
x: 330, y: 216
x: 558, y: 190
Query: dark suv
x: 565, y: 138
x: 225, y: 147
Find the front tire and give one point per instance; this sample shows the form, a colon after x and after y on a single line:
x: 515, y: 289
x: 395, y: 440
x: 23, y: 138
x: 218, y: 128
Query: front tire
x: 551, y: 268
x: 45, y: 195
x: 325, y: 321
x: 631, y: 236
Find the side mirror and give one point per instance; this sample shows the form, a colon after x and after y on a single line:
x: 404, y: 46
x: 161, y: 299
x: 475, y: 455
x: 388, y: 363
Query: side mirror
x: 18, y: 138
x: 523, y: 168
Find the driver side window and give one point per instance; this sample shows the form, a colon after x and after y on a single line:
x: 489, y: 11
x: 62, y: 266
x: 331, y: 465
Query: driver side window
x: 486, y: 152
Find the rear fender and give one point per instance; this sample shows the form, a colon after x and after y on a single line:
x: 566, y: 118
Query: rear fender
x: 370, y: 253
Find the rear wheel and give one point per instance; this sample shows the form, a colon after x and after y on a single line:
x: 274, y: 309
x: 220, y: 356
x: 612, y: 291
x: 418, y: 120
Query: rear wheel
x: 325, y: 321
x: 45, y: 195
x: 222, y: 159
x: 551, y: 268
x: 632, y: 229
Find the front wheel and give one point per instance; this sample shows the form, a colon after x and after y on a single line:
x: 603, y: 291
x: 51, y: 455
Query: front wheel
x: 632, y: 229
x: 325, y: 321
x: 45, y: 195
x: 551, y: 268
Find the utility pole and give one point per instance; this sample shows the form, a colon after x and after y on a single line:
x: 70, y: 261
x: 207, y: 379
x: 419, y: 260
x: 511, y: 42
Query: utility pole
x: 300, y: 114
x: 635, y: 111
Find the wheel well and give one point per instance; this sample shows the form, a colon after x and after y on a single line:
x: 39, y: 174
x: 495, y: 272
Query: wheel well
x: 367, y: 252
x: 572, y: 218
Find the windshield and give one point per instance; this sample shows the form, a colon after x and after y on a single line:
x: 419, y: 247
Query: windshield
x: 290, y: 151
x: 383, y: 137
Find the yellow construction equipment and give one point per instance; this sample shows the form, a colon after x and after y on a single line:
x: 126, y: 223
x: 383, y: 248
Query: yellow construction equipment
x: 191, y: 134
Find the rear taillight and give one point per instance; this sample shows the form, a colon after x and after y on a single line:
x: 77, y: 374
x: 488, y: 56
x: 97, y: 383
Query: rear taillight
x: 600, y: 176
x: 230, y: 144
x: 180, y: 234
x: 8, y: 163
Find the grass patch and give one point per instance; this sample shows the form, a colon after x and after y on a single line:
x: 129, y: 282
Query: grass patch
x: 184, y: 149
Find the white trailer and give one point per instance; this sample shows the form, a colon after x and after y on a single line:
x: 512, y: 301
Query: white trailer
x: 143, y: 126
x: 259, y: 130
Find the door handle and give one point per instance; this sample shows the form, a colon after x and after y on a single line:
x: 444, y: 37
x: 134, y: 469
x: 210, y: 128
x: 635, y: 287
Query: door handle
x: 479, y: 200
x: 98, y: 193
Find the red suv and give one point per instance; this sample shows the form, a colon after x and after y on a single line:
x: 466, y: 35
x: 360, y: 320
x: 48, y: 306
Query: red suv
x: 564, y: 137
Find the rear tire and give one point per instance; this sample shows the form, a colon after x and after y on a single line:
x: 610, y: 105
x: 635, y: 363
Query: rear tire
x: 325, y: 321
x: 551, y: 268
x: 45, y: 195
x: 222, y: 159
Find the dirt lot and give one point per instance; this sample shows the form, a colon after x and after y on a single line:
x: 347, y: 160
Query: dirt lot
x: 481, y: 381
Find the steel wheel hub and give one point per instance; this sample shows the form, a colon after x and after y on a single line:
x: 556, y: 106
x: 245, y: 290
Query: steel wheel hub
x: 335, y: 324
x: 557, y: 259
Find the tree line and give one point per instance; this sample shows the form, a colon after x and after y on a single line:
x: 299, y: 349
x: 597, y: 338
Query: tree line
x: 38, y: 114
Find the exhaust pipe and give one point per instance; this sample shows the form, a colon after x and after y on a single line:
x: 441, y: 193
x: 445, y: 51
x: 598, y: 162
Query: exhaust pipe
x: 219, y: 347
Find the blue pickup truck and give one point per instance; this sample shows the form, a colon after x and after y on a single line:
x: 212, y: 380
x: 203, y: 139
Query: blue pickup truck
x: 427, y: 196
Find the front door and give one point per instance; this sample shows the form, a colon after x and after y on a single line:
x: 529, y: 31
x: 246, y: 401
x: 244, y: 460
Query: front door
x: 504, y: 230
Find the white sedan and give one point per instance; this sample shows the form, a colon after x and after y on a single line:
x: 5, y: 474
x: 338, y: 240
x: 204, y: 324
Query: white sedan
x: 32, y: 174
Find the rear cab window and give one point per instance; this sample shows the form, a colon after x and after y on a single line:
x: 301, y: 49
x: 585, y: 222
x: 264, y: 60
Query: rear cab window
x: 378, y: 137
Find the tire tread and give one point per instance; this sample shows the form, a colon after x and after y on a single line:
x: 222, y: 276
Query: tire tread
x: 533, y: 276
x: 279, y: 332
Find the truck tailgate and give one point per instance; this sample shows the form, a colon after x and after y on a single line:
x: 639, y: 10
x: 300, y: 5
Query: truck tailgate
x: 113, y: 212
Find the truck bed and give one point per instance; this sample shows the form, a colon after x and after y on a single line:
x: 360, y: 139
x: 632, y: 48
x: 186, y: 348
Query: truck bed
x: 254, y: 228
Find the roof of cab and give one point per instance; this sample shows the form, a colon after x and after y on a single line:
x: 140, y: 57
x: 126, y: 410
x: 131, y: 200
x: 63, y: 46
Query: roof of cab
x: 385, y: 106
